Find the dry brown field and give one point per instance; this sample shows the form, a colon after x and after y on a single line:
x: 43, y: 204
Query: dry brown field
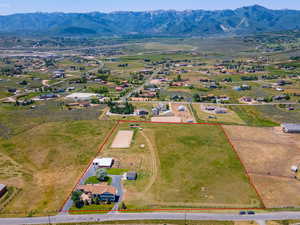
x: 268, y: 154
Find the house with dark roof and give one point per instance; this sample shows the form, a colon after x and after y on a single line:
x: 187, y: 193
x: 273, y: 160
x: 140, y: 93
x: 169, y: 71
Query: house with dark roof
x: 103, y: 192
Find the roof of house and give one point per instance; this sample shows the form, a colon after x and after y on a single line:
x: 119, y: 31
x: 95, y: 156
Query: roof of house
x: 97, y: 188
x: 81, y: 95
x: 103, y: 161
x: 2, y: 186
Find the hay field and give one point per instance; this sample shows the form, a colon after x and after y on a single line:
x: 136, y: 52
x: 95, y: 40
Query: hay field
x: 46, y: 161
x: 196, y: 168
x: 268, y: 155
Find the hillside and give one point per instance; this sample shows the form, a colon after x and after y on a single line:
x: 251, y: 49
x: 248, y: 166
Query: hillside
x: 246, y: 20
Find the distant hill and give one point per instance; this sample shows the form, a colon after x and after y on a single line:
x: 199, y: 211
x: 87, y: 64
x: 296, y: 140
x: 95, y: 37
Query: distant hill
x: 246, y: 20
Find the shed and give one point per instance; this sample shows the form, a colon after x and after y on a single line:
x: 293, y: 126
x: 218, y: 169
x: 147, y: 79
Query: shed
x: 294, y: 169
x: 142, y: 112
x: 131, y: 176
x: 3, y: 189
x: 103, y: 162
x: 290, y: 127
x: 181, y: 108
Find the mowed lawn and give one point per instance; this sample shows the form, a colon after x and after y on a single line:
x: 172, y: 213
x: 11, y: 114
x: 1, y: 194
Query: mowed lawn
x: 197, y: 168
x: 45, y: 162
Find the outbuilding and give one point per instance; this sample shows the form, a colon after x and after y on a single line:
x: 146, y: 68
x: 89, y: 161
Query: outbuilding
x: 181, y: 108
x: 103, y: 162
x: 294, y: 169
x: 82, y: 96
x: 131, y: 176
x: 3, y: 189
x: 291, y: 128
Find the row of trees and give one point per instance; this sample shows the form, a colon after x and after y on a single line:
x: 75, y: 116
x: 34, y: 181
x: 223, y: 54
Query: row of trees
x: 116, y: 108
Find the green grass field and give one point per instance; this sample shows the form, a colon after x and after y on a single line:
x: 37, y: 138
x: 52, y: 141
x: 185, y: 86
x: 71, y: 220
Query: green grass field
x: 90, y: 209
x: 253, y: 117
x: 197, y: 168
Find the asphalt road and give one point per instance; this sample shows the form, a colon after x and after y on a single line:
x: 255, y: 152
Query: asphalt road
x: 223, y: 104
x: 150, y: 216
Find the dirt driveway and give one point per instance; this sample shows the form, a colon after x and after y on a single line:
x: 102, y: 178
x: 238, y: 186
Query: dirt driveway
x: 185, y: 115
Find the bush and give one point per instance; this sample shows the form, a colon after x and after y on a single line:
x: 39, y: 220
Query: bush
x: 126, y: 108
x: 79, y: 204
x: 76, y: 196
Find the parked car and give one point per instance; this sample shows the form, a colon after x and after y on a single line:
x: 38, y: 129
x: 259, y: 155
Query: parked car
x: 242, y: 213
x: 251, y: 212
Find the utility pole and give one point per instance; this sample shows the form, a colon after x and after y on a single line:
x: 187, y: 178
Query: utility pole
x: 185, y: 219
x: 49, y: 220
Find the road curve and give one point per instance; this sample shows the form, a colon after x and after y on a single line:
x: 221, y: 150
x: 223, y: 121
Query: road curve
x: 149, y: 216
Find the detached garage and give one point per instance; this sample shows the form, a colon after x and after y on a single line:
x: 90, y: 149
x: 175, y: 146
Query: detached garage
x: 131, y: 176
x: 291, y: 128
x: 103, y: 162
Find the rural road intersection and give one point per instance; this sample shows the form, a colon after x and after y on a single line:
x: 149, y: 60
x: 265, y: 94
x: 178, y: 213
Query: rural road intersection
x: 261, y: 217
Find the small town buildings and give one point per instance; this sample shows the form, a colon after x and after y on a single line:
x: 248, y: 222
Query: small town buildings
x: 3, y: 189
x: 48, y: 96
x: 142, y: 112
x: 210, y: 108
x: 59, y: 74
x: 290, y: 128
x: 131, y: 176
x: 119, y: 88
x: 279, y: 89
x: 103, y: 162
x: 103, y: 192
x: 220, y: 111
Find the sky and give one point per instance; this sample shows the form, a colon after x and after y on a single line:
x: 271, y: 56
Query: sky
x: 25, y: 6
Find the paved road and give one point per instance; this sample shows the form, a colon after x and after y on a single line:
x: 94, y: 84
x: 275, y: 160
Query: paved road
x: 149, y: 216
x: 225, y: 104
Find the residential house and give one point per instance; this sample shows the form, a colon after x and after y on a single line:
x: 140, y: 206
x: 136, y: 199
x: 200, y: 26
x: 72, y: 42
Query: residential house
x: 102, y: 191
x: 142, y: 112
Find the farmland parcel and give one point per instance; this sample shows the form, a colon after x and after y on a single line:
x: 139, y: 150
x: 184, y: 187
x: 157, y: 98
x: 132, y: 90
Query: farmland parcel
x: 46, y: 161
x: 196, y: 168
x: 268, y: 155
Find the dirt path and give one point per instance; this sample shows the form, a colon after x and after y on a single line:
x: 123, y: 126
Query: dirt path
x: 154, y: 162
x: 103, y: 115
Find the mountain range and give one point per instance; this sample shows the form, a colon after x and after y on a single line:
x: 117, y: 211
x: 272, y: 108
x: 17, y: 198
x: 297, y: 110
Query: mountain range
x: 246, y: 20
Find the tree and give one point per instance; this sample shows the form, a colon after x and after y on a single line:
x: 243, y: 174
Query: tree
x: 178, y: 78
x: 101, y: 174
x: 197, y: 98
x: 76, y: 195
x: 100, y: 90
